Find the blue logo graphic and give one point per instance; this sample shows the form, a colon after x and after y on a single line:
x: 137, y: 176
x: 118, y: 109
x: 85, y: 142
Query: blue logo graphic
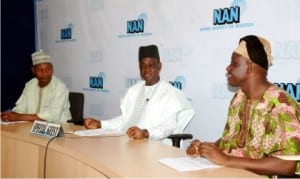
x: 96, y: 83
x: 226, y: 16
x: 136, y: 27
x: 229, y: 17
x: 292, y: 89
x: 66, y: 34
x: 179, y: 82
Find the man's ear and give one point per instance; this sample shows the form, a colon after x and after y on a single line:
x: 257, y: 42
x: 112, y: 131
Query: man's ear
x: 250, y: 67
x: 160, y: 66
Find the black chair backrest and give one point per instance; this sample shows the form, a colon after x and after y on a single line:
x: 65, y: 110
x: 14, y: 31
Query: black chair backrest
x: 76, y: 107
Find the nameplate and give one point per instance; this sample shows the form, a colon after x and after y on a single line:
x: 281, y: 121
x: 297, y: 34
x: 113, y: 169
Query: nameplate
x: 47, y: 129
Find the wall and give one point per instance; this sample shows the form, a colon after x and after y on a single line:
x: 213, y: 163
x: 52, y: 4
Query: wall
x: 94, y: 44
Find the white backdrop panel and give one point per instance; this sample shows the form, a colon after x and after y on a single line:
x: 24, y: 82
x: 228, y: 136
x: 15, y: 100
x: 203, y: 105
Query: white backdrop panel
x: 89, y: 38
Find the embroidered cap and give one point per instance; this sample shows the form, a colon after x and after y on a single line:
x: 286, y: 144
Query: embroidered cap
x: 40, y: 57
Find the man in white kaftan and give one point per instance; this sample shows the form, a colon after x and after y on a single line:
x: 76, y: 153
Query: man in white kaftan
x: 50, y: 103
x: 166, y: 111
x: 44, y: 97
x: 152, y: 108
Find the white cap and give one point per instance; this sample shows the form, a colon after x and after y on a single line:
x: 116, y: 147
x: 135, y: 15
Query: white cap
x: 40, y: 57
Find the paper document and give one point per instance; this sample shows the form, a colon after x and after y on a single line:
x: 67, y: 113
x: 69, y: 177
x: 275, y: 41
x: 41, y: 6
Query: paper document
x: 288, y: 157
x: 98, y: 132
x: 188, y: 164
x: 11, y: 122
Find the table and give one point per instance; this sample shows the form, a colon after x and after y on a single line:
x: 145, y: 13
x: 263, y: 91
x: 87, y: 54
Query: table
x: 23, y: 154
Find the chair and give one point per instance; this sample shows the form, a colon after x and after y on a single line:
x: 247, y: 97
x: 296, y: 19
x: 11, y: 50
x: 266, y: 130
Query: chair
x: 176, y: 138
x: 183, y: 119
x: 76, y: 107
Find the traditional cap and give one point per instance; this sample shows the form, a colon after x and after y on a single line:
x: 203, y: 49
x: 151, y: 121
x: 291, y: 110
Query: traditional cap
x: 40, y: 57
x: 148, y: 51
x: 256, y: 49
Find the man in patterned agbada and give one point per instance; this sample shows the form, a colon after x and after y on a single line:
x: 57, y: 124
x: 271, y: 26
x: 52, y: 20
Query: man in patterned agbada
x: 263, y: 120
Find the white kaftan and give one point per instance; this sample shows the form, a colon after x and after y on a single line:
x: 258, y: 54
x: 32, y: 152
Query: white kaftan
x: 50, y: 103
x: 162, y: 110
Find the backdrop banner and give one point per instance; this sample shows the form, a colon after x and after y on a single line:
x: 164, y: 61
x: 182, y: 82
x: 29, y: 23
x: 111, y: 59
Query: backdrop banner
x: 94, y: 46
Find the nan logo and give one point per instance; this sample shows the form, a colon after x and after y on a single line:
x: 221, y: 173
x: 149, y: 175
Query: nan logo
x: 66, y: 34
x: 226, y: 15
x: 135, y: 26
x: 229, y: 17
x: 96, y: 83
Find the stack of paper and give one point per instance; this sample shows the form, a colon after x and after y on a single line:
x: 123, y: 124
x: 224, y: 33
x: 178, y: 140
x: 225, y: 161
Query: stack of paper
x: 188, y: 164
x: 98, y: 132
x: 11, y: 122
x: 288, y: 157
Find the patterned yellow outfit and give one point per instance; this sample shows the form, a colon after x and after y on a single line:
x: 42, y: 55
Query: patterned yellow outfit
x: 261, y: 127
